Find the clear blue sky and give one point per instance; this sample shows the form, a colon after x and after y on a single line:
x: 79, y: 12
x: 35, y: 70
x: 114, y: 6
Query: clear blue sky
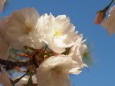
x: 82, y: 14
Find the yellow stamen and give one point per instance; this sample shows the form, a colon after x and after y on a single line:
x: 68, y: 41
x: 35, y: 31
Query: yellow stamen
x: 57, y: 33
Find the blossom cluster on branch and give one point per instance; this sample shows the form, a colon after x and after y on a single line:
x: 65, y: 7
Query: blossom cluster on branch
x: 56, y: 48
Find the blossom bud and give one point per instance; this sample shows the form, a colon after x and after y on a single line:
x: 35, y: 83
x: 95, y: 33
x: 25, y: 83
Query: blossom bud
x: 99, y: 17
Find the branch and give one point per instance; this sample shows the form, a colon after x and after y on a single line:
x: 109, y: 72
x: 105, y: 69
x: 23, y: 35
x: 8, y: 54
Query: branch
x: 11, y: 64
x: 107, y: 7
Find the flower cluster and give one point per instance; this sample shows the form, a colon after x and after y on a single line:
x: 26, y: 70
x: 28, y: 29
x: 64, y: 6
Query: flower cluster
x: 56, y: 48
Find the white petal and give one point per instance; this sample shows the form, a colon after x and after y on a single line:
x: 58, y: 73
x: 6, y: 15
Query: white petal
x: 4, y: 47
x: 112, y: 10
x: 25, y: 79
x: 76, y: 53
x: 23, y: 29
x: 58, y: 33
x: 54, y: 71
x: 109, y: 24
x: 2, y: 2
x: 4, y: 78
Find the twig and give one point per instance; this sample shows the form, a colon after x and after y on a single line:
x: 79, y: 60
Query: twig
x: 11, y: 64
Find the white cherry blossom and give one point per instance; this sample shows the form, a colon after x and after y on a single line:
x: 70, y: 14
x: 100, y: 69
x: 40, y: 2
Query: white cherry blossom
x: 57, y: 32
x: 22, y: 28
x: 3, y: 31
x: 54, y: 71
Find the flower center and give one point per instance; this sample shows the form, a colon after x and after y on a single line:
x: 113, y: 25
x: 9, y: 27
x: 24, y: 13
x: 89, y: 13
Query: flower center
x: 28, y: 29
x: 28, y: 26
x: 57, y: 33
x: 58, y: 70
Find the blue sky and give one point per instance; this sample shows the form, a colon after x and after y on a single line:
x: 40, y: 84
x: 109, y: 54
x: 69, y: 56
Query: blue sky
x: 82, y: 14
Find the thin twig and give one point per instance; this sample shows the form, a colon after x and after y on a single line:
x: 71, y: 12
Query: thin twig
x: 11, y: 64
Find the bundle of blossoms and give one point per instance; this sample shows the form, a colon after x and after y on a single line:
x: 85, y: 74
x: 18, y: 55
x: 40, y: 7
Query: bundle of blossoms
x: 54, y: 50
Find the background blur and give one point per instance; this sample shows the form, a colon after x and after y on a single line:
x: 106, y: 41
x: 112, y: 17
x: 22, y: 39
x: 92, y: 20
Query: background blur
x: 82, y: 14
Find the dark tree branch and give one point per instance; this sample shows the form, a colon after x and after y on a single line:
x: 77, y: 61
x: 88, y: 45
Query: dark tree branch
x: 11, y: 64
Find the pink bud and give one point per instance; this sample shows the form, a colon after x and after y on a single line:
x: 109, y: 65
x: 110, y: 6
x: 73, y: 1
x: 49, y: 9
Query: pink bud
x: 99, y: 17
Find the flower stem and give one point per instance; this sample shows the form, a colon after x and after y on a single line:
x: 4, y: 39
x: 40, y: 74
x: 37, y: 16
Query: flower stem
x: 107, y: 7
